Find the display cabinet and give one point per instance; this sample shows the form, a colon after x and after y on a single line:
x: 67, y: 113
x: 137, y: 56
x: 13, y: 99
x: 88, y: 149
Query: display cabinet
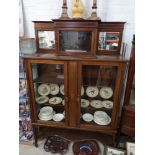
x: 71, y: 86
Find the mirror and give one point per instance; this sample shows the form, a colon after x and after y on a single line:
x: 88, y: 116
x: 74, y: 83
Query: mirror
x: 72, y: 41
x: 108, y: 40
x: 46, y: 39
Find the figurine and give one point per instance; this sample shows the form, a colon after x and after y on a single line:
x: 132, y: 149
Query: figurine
x: 77, y: 9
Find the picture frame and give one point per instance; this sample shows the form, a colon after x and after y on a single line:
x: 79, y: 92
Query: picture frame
x: 114, y: 151
x: 130, y: 147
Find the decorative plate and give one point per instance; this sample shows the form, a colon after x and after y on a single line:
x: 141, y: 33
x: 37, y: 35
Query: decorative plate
x: 87, y: 117
x: 42, y: 99
x: 58, y: 117
x: 84, y: 103
x: 82, y: 91
x: 102, y: 122
x: 55, y: 100
x: 62, y: 89
x: 108, y: 104
x: 96, y: 104
x: 106, y: 92
x: 54, y: 89
x: 44, y: 89
x: 56, y: 144
x: 92, y: 91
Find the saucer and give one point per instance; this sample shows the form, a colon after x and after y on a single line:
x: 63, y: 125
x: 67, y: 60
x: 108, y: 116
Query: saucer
x: 87, y: 117
x: 44, y: 89
x: 82, y: 91
x: 106, y: 92
x: 58, y: 117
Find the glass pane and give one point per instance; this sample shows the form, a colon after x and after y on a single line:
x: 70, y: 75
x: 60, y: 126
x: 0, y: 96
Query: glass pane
x: 97, y: 94
x: 108, y: 40
x: 49, y: 91
x: 46, y: 39
x: 75, y: 41
x: 132, y: 95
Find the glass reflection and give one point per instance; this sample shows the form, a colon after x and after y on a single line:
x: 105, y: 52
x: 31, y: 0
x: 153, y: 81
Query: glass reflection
x: 108, y: 40
x: 46, y: 39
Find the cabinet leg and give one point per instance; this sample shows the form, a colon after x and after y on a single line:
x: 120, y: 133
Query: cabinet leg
x: 35, y: 132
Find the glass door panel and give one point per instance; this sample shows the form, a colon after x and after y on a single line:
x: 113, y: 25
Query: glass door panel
x: 97, y: 94
x: 48, y: 80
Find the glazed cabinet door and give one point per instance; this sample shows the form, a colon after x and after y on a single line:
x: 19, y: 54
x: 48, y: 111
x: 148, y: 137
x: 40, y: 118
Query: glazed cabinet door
x: 48, y: 91
x: 99, y: 94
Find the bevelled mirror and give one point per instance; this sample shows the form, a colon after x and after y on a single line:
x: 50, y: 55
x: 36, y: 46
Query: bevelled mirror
x: 46, y: 39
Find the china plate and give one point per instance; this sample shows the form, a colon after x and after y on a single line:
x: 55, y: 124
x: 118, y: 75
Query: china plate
x: 87, y: 117
x: 63, y: 102
x: 101, y: 122
x: 84, y: 103
x: 96, y: 104
x: 54, y: 89
x: 108, y: 104
x: 82, y: 91
x: 106, y: 92
x: 42, y: 99
x: 92, y: 91
x: 44, y: 89
x: 62, y: 89
x: 55, y: 100
x: 58, y: 117
x: 47, y: 118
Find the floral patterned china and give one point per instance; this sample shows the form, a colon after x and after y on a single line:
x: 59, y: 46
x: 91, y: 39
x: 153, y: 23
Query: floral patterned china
x: 55, y: 100
x: 106, y: 92
x: 96, y: 104
x: 44, y: 89
x: 42, y: 99
x: 108, y: 104
x: 54, y: 89
x: 92, y: 91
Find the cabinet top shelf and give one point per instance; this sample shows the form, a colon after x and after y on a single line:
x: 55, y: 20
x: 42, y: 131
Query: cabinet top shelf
x: 39, y: 56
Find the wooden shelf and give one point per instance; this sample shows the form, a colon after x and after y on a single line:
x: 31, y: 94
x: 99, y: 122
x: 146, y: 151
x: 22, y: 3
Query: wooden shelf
x: 49, y: 79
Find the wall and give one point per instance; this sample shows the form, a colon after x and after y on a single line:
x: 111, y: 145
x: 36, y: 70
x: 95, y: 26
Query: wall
x: 108, y: 10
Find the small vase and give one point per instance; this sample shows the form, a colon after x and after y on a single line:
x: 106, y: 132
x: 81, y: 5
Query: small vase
x: 77, y: 9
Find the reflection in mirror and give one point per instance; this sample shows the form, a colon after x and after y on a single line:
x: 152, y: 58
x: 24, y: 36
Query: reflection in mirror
x: 108, y: 40
x: 76, y: 41
x: 46, y: 39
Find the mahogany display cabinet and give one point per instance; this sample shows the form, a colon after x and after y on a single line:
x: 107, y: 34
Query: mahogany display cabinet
x: 71, y: 87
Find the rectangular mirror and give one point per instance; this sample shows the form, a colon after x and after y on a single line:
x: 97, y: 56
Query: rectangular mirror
x: 74, y: 41
x: 46, y: 39
x: 109, y: 41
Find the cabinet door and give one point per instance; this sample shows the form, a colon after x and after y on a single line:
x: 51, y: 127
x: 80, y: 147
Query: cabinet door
x: 99, y: 93
x: 48, y: 91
